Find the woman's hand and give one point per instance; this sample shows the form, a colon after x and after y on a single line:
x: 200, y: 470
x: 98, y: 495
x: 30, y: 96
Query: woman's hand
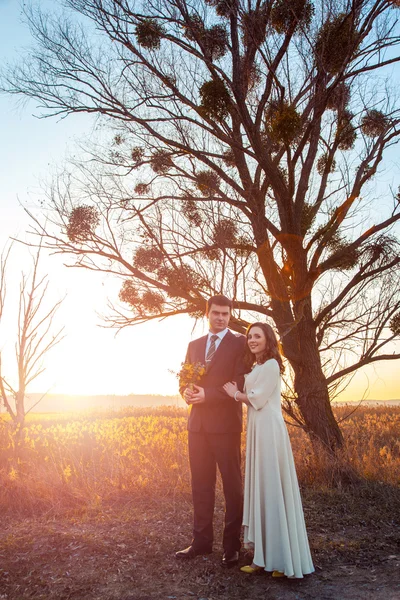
x: 231, y: 388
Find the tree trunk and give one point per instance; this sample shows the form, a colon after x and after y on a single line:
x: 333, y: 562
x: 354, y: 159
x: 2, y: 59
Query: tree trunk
x: 311, y: 387
x: 20, y: 407
x: 313, y: 401
x: 315, y: 407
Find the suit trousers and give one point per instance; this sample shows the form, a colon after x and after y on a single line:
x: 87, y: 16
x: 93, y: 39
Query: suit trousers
x: 206, y: 451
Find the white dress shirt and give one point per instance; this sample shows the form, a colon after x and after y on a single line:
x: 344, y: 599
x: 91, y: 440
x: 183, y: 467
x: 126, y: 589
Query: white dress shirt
x: 220, y: 334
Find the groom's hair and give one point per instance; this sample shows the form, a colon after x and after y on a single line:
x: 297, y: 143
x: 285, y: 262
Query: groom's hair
x: 219, y: 300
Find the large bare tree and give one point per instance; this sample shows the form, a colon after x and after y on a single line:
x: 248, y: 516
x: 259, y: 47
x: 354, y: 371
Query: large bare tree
x: 35, y: 336
x: 241, y: 148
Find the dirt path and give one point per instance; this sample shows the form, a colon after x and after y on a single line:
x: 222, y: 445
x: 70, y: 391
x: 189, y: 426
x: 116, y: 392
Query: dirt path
x: 127, y: 553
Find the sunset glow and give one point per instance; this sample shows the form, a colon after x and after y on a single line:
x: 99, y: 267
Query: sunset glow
x: 91, y: 359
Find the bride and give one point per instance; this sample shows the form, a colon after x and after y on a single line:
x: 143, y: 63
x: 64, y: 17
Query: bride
x: 273, y: 518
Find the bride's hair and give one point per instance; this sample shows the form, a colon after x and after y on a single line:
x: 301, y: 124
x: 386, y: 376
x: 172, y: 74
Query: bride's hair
x: 271, y: 349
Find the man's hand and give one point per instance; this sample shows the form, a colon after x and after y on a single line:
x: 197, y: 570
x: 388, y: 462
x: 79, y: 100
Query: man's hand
x: 187, y: 395
x: 197, y: 396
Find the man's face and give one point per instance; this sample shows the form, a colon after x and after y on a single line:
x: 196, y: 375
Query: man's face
x: 218, y: 317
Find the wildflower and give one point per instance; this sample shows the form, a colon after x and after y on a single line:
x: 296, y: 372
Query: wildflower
x: 190, y: 373
x: 67, y: 472
x: 13, y: 474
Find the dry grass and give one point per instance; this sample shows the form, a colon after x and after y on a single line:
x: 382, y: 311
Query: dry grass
x: 372, y: 436
x: 84, y: 461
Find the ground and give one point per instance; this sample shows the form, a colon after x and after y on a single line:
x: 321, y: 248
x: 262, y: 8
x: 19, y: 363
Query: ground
x: 126, y: 551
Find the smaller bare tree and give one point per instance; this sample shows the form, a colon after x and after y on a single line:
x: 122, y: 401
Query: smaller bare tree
x: 35, y: 336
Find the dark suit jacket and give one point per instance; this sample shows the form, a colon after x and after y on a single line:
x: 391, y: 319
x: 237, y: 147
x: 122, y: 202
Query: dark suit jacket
x: 219, y: 413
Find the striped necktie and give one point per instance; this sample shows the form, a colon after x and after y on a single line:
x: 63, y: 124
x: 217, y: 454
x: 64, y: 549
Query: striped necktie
x: 212, y: 349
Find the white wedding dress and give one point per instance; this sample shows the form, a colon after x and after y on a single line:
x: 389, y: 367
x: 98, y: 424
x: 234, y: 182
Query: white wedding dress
x: 273, y: 514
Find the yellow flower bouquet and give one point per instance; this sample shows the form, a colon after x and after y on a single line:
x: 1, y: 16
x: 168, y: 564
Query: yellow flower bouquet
x: 190, y: 373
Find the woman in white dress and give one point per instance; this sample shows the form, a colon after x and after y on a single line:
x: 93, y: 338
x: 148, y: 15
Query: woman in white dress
x: 273, y: 518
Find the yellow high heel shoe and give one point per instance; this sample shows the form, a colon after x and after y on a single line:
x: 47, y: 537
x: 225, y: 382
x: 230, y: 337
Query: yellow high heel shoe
x: 250, y: 570
x: 278, y: 574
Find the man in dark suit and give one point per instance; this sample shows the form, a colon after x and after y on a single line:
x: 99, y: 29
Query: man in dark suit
x: 215, y: 425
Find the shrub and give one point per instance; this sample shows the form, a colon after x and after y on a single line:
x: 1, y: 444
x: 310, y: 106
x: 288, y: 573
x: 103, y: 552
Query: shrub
x: 207, y: 182
x: 148, y: 259
x: 338, y: 97
x: 215, y: 100
x: 374, y: 123
x: 346, y: 134
x: 229, y: 158
x: 395, y: 324
x: 225, y: 233
x: 152, y: 302
x: 149, y: 34
x: 129, y: 293
x: 307, y: 217
x: 137, y: 154
x: 283, y: 123
x: 288, y: 15
x: 336, y: 42
x: 323, y: 164
x: 343, y: 257
x: 194, y: 27
x: 254, y: 26
x: 215, y: 42
x: 141, y: 189
x: 224, y: 8
x: 82, y: 223
x: 191, y: 212
x: 161, y: 162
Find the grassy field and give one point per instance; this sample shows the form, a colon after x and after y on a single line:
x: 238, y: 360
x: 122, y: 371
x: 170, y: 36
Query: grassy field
x: 83, y: 460
x: 95, y: 505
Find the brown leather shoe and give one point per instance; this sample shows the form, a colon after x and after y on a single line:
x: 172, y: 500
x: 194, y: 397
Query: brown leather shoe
x: 190, y: 552
x: 230, y: 560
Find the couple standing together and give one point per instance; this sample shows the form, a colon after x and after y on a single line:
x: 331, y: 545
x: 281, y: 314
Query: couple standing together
x: 272, y: 513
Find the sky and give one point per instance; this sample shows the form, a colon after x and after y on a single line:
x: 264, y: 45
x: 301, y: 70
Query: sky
x: 91, y: 359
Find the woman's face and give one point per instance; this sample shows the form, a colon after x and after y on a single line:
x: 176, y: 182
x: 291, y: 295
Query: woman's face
x: 256, y: 340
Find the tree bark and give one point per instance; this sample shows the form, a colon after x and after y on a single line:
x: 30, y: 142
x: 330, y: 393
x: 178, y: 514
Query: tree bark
x: 20, y: 407
x: 314, y: 404
x: 311, y: 387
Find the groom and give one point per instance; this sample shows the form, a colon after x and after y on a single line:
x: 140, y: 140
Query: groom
x: 215, y: 424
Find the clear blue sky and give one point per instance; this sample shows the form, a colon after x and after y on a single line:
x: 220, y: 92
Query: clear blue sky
x: 90, y: 359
